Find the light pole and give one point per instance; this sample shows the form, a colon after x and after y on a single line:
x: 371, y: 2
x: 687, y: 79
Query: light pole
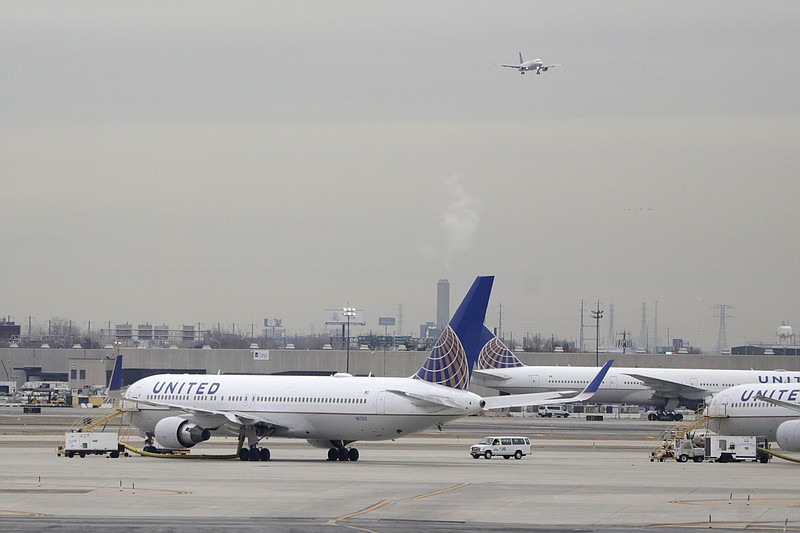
x: 597, y: 315
x: 348, y: 312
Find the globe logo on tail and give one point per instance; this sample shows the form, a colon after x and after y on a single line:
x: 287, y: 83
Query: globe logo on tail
x: 495, y: 354
x: 447, y: 363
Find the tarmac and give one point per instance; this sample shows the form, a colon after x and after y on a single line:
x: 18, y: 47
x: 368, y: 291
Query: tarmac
x: 581, y: 476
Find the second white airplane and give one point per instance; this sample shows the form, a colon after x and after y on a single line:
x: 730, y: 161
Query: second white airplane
x: 499, y: 369
x: 528, y: 66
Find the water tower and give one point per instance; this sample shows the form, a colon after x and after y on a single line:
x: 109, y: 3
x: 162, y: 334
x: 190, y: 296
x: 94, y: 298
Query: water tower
x: 785, y: 334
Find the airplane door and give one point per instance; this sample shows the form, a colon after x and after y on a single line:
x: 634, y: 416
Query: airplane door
x: 719, y: 406
x: 535, y: 382
x: 693, y: 382
x: 380, y: 405
x: 612, y: 382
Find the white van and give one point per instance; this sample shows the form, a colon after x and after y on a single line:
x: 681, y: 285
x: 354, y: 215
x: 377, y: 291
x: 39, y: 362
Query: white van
x: 507, y: 447
x: 553, y: 411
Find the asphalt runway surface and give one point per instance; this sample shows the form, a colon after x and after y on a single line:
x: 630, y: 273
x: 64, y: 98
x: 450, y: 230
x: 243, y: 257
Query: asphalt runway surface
x: 582, y: 476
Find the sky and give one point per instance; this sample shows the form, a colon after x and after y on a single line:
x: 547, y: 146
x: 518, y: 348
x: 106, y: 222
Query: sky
x: 197, y: 162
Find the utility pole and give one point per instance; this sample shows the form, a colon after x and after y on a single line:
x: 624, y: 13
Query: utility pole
x: 597, y: 315
x: 625, y: 342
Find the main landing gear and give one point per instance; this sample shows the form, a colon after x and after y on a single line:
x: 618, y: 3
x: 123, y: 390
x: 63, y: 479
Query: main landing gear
x: 343, y: 454
x: 254, y: 453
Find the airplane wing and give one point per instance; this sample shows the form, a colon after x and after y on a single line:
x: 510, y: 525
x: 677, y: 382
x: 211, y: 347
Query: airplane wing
x: 233, y: 417
x: 553, y: 65
x: 493, y: 376
x: 425, y: 399
x: 546, y: 398
x: 779, y: 403
x: 510, y: 66
x: 667, y: 388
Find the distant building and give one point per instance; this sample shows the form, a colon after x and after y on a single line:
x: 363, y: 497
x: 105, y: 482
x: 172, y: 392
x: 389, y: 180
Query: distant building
x: 8, y: 329
x: 764, y: 349
x: 429, y: 330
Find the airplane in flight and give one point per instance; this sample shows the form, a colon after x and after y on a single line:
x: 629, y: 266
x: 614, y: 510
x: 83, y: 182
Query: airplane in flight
x: 771, y: 410
x: 333, y: 412
x: 527, y: 66
x: 667, y: 388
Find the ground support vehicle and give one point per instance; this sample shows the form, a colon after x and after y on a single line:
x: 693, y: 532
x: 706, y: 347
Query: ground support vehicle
x: 553, y: 411
x: 686, y: 449
x: 728, y: 448
x: 507, y: 447
x: 664, y: 416
x: 90, y: 443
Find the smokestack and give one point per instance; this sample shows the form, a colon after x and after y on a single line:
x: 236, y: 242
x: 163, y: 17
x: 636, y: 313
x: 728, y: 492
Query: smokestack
x: 442, y: 304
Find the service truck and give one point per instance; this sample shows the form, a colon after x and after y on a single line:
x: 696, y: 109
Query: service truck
x: 90, y: 443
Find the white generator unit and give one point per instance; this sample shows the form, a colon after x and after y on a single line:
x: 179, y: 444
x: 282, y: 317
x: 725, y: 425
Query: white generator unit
x: 90, y: 443
x: 728, y: 448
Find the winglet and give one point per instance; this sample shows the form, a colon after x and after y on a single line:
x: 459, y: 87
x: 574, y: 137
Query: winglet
x: 115, y: 383
x: 545, y: 398
x: 592, y: 387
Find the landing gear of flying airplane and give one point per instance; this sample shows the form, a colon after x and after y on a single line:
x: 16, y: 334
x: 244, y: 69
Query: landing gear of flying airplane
x: 254, y: 454
x: 343, y: 454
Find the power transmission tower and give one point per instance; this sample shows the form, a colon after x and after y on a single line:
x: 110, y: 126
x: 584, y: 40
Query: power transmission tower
x: 722, y: 338
x: 609, y: 341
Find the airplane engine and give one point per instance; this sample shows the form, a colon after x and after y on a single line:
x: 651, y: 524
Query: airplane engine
x: 176, y: 432
x: 788, y: 436
x: 543, y: 69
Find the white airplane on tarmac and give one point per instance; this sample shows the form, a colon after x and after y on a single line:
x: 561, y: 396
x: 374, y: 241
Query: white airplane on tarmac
x: 771, y: 410
x: 333, y: 412
x: 527, y: 66
x: 667, y: 388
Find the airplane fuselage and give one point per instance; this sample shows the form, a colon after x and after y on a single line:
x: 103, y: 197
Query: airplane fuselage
x: 619, y: 387
x: 738, y: 411
x: 317, y: 408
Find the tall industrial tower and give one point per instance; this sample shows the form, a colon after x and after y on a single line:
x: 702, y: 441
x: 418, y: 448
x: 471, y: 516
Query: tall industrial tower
x: 644, y: 341
x: 722, y: 338
x: 400, y: 319
x: 611, y: 332
x: 442, y: 304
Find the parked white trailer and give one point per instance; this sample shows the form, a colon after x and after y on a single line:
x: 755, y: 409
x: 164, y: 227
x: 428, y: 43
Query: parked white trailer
x: 728, y: 448
x: 90, y: 443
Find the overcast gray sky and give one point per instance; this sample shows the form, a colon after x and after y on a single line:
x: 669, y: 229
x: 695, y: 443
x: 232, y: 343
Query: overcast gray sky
x: 185, y: 162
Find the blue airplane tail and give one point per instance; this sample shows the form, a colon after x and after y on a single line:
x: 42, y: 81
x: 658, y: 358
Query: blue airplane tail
x: 452, y: 359
x: 115, y: 383
x: 495, y: 354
